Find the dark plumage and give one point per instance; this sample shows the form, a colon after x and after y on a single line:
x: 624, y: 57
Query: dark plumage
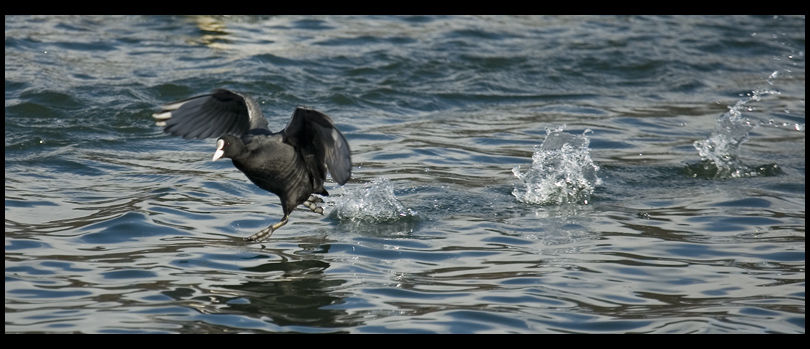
x: 291, y: 163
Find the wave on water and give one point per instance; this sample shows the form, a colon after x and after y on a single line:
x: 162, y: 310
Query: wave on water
x: 561, y: 172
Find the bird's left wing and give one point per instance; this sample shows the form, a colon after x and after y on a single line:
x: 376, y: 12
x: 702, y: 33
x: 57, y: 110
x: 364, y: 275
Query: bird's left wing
x: 315, y: 132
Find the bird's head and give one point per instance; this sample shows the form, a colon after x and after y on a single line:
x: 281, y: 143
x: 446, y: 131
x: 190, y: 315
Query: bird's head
x: 228, y: 146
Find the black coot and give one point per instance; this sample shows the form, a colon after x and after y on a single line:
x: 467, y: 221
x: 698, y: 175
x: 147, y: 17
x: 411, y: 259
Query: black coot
x: 291, y: 163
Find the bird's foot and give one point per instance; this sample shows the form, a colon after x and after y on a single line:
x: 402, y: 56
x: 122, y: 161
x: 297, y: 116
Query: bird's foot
x: 312, y: 202
x: 262, y: 235
x: 265, y: 233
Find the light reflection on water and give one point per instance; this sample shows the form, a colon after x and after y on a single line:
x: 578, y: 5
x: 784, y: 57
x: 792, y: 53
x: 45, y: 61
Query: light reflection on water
x: 114, y: 227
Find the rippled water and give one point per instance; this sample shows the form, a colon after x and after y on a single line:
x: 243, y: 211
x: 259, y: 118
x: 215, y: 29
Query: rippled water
x: 681, y: 145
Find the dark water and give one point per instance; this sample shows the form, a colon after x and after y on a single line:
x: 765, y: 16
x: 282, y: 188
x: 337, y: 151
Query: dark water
x: 672, y: 200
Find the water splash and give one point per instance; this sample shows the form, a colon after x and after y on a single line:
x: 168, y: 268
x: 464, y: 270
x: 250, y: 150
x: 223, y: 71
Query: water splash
x: 374, y: 202
x: 720, y: 152
x: 562, y: 171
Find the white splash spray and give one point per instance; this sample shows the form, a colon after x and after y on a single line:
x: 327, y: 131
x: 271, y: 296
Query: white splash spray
x: 562, y: 171
x: 374, y: 202
x: 720, y: 152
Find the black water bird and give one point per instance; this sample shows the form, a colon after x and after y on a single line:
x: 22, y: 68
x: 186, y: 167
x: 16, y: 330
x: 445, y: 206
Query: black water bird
x: 291, y: 163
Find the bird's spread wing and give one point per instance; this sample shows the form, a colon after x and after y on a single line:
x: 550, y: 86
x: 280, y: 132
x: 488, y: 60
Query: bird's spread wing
x: 315, y: 133
x: 212, y: 115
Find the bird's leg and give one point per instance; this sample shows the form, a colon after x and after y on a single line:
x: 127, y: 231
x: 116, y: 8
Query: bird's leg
x: 312, y: 202
x: 265, y: 233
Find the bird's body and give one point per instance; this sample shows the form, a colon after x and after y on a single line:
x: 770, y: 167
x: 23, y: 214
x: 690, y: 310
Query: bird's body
x: 291, y: 163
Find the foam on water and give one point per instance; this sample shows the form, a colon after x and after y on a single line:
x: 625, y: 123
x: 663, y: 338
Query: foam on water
x: 562, y: 171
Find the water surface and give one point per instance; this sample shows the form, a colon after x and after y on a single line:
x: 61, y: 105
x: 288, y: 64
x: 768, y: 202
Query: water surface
x: 675, y: 202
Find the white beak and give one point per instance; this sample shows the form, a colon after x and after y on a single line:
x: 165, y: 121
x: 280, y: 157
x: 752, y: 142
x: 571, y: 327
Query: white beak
x: 220, y: 150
